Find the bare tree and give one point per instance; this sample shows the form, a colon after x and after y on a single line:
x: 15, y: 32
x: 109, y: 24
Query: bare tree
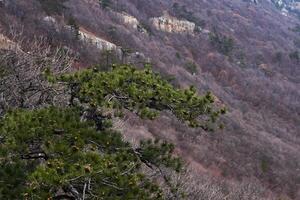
x: 22, y: 80
x: 190, y: 185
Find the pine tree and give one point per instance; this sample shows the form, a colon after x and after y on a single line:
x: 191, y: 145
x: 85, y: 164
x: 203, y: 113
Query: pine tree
x: 74, y: 26
x: 224, y: 44
x: 50, y: 153
x: 73, y: 153
x: 105, y: 3
x: 53, y: 7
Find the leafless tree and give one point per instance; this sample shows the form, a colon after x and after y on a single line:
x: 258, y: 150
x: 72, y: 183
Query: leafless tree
x: 201, y: 186
x: 23, y: 83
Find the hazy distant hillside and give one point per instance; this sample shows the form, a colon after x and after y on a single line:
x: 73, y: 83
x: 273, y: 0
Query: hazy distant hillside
x: 288, y: 6
x: 246, y: 52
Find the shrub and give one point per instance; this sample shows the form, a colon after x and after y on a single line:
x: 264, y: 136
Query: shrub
x: 145, y: 26
x: 183, y: 13
x: 241, y: 57
x: 295, y: 56
x: 3, y: 71
x: 73, y: 24
x: 278, y: 57
x: 178, y: 56
x: 264, y: 165
x: 105, y: 4
x: 224, y: 44
x: 53, y: 7
x: 191, y: 67
x: 296, y: 29
x: 297, y: 43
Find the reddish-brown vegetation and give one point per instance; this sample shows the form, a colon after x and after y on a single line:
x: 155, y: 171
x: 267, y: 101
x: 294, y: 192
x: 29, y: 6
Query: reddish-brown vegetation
x: 258, y: 81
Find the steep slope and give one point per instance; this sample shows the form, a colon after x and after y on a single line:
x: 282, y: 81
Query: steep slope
x: 245, y: 52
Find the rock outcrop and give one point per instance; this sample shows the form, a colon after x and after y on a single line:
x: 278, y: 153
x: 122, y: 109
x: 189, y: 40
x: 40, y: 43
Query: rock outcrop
x: 171, y: 24
x: 6, y: 43
x: 287, y: 6
x: 128, y: 19
x: 100, y: 43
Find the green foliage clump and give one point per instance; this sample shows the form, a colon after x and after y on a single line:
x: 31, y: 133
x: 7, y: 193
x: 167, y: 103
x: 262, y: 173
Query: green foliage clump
x: 224, y: 44
x: 141, y: 91
x: 47, y: 152
x: 53, y: 7
x: 278, y: 57
x: 296, y: 29
x: 178, y: 56
x: 295, y: 56
x: 183, y: 13
x: 297, y: 43
x: 105, y: 3
x: 241, y: 57
x: 142, y: 27
x: 74, y: 26
x: 264, y: 165
x: 112, y: 31
x: 191, y: 67
x: 3, y: 71
x: 158, y: 153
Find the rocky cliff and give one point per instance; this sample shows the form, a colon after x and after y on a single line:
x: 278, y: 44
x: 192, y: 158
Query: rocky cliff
x: 172, y: 25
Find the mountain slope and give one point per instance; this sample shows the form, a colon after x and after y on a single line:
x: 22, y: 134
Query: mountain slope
x: 246, y: 53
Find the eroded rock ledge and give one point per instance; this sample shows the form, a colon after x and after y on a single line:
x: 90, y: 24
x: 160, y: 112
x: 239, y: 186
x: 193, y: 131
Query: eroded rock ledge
x: 171, y: 24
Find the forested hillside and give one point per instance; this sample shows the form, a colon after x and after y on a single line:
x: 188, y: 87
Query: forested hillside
x: 161, y: 69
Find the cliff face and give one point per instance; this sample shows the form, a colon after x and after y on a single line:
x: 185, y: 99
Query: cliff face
x: 256, y: 74
x: 100, y: 43
x: 172, y: 25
